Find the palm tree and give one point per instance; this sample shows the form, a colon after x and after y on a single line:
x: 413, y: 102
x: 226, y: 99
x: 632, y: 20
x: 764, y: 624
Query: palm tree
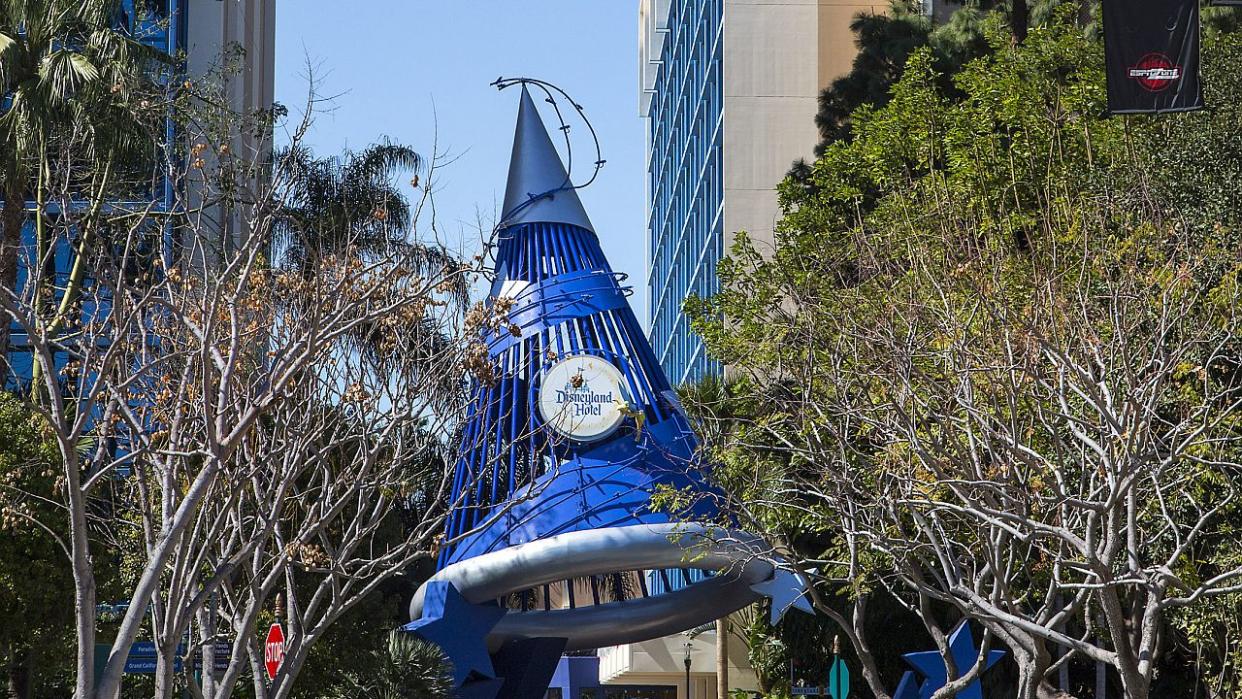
x: 885, y: 42
x: 341, y: 203
x: 409, y: 668
x: 352, y: 206
x: 64, y: 69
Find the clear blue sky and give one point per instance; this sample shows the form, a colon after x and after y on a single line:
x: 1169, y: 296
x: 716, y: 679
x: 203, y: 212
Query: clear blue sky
x: 406, y: 69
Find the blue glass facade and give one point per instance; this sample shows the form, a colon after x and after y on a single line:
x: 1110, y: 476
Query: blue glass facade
x: 686, y: 182
x: 156, y: 23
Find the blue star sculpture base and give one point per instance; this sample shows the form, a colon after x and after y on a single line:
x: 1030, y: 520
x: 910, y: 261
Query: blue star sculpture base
x: 519, y: 670
x: 929, y: 666
x: 460, y: 630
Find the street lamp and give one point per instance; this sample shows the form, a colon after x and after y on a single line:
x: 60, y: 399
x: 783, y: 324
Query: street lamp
x: 689, y: 647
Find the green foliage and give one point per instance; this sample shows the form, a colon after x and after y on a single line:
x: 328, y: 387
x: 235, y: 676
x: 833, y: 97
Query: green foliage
x: 82, y: 112
x: 1011, y: 159
x: 73, y: 80
x: 767, y: 653
x: 408, y: 668
x: 1005, y: 200
x: 35, y: 584
x: 885, y: 43
x: 357, y: 645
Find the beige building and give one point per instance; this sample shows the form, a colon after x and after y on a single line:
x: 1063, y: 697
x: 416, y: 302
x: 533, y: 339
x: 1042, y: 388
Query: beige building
x: 778, y: 57
x: 213, y: 28
x: 233, y: 41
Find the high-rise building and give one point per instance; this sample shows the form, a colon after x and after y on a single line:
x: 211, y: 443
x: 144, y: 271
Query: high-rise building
x: 248, y: 25
x: 729, y: 89
x: 202, y: 32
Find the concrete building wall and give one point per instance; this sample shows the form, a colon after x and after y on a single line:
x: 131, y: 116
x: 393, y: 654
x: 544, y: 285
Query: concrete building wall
x: 771, y: 87
x: 213, y: 26
x: 661, y: 662
x: 234, y: 41
x: 778, y: 56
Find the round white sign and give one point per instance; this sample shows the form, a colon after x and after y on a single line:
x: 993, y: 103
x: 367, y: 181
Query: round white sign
x: 583, y: 397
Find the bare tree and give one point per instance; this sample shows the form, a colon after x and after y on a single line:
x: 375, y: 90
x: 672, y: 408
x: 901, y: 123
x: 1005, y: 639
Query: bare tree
x: 242, y: 427
x: 1068, y: 468
x: 1056, y: 467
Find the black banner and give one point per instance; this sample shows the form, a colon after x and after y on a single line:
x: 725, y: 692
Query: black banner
x: 1151, y: 52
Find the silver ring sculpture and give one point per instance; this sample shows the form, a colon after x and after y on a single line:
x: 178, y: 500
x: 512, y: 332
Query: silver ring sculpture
x: 603, y: 551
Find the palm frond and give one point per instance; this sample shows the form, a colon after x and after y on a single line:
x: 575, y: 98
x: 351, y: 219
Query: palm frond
x: 123, y: 52
x: 381, y: 162
x: 10, y: 56
x: 63, y: 71
x: 93, y: 13
x: 69, y: 74
x: 344, y: 203
x: 409, y: 668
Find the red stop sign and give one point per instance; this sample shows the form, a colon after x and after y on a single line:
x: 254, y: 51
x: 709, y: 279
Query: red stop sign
x: 274, y: 650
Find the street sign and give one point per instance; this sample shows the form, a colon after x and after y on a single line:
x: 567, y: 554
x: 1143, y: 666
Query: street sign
x: 142, y: 658
x: 274, y: 650
x: 839, y: 680
x: 140, y: 665
x: 143, y: 648
x: 222, y: 653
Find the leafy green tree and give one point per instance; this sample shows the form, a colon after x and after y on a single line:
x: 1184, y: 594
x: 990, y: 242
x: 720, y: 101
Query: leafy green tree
x: 999, y: 330
x: 767, y: 654
x: 886, y: 41
x: 35, y: 585
x: 355, y: 646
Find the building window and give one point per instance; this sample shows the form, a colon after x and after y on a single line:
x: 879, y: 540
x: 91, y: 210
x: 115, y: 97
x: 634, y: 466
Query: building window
x: 686, y: 198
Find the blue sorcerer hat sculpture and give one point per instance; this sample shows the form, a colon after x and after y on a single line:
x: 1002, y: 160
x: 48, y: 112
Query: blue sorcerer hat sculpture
x: 552, y: 543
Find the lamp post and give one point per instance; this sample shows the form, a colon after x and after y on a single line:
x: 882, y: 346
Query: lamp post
x: 689, y: 647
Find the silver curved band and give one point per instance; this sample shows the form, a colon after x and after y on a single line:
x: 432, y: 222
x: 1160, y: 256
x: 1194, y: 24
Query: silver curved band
x: 602, y: 551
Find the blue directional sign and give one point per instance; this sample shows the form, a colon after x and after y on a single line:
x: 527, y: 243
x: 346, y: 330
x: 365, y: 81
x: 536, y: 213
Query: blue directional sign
x: 143, y: 661
x: 223, y: 651
x: 142, y: 658
x: 144, y: 665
